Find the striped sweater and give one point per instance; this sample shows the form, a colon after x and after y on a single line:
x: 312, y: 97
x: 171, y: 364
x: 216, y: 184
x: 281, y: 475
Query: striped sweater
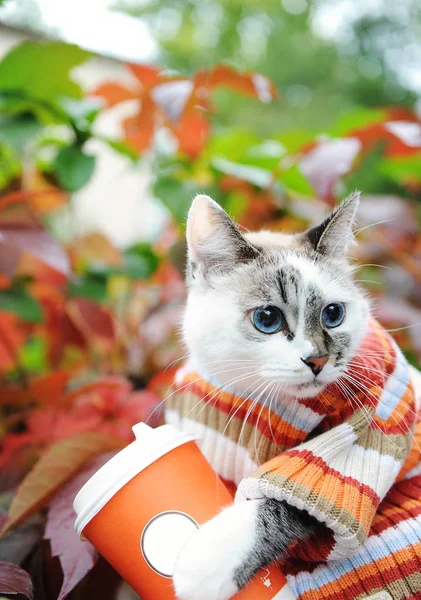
x: 350, y: 458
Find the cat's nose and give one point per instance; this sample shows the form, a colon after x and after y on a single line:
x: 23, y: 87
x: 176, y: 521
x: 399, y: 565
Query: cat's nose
x: 316, y: 363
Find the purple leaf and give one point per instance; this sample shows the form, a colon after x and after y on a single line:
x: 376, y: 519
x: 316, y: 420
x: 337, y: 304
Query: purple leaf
x: 14, y: 580
x: 172, y: 96
x: 324, y: 164
x: 76, y: 557
x: 39, y: 243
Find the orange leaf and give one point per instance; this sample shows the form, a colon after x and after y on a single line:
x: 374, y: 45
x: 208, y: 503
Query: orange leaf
x: 148, y: 76
x: 5, y: 281
x: 45, y: 391
x: 95, y: 248
x: 114, y: 93
x: 28, y: 196
x: 55, y: 467
x: 47, y: 197
x: 250, y: 84
x: 192, y: 132
x: 139, y: 129
x: 138, y: 134
x: 39, y: 272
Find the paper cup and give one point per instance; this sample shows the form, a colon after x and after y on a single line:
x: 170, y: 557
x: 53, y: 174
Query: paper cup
x: 141, y: 507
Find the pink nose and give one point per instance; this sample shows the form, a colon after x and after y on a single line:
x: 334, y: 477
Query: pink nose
x: 316, y: 363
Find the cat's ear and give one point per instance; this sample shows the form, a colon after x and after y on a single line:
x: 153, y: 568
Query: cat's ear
x: 214, y: 241
x: 334, y: 235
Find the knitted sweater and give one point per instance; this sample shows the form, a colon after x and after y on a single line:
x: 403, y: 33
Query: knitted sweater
x: 352, y: 460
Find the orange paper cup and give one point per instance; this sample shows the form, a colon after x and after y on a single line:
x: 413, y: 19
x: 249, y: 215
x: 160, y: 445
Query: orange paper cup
x: 141, y: 507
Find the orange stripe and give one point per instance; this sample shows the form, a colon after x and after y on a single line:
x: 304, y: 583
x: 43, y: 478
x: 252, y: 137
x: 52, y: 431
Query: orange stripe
x: 358, y: 500
x: 232, y: 403
x: 378, y: 570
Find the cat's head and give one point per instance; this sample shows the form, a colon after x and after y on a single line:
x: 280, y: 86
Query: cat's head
x: 268, y: 307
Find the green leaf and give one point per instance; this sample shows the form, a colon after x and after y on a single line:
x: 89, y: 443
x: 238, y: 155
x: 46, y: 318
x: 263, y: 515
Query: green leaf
x: 294, y: 139
x: 121, y: 148
x: 33, y: 355
x: 73, y: 168
x: 293, y: 179
x: 18, y: 301
x: 41, y: 70
x: 10, y: 166
x: 232, y: 145
x: 366, y: 175
x: 402, y: 169
x: 265, y: 155
x: 91, y: 285
x: 255, y: 175
x: 83, y: 112
x: 17, y: 132
x: 175, y: 195
x: 356, y: 119
x: 140, y: 261
x: 13, y: 104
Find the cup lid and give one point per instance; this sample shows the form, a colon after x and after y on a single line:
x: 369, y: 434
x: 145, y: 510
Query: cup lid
x: 149, y: 445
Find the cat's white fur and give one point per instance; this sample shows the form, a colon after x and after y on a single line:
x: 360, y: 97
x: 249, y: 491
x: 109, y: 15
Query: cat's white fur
x: 213, y: 557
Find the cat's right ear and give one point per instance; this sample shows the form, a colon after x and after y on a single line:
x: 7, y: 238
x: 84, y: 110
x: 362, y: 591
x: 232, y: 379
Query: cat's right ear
x: 214, y: 242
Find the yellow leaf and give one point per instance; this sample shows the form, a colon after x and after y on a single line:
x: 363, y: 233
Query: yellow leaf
x: 54, y: 468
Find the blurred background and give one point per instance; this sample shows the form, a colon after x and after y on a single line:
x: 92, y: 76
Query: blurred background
x: 113, y: 115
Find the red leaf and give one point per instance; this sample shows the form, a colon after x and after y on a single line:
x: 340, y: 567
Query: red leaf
x: 113, y: 93
x: 105, y: 383
x: 13, y: 334
x: 76, y: 557
x: 115, y: 409
x: 92, y: 320
x: 14, y: 580
x: 61, y: 331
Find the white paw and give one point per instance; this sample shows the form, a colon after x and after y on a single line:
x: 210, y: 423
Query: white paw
x: 205, y: 569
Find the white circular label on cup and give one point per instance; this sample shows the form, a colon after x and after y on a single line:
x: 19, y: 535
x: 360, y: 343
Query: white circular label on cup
x: 163, y: 539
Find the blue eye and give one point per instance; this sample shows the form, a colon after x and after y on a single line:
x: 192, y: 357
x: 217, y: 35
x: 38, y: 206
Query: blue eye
x: 268, y: 319
x: 333, y: 314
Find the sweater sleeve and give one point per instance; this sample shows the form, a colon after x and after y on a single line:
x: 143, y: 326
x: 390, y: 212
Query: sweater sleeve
x: 341, y: 476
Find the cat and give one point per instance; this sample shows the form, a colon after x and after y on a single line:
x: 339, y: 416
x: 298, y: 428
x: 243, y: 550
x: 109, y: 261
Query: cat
x: 264, y: 306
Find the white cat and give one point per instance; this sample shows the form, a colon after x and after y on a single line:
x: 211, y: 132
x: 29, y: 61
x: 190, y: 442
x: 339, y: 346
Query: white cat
x: 263, y: 307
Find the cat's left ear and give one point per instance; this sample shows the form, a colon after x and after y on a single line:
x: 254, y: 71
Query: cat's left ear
x: 334, y: 235
x: 214, y: 241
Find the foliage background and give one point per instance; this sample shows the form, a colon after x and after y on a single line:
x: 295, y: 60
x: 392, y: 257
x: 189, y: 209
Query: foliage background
x: 246, y: 102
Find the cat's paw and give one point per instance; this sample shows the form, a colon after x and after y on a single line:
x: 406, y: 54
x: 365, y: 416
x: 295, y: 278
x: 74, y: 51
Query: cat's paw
x: 207, y: 565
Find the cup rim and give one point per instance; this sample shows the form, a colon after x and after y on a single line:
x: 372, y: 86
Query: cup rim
x: 149, y: 445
